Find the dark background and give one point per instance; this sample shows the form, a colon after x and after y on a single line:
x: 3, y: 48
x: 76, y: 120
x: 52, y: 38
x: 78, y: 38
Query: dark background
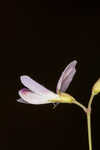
x: 50, y: 34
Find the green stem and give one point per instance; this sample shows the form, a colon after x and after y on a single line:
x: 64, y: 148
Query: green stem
x: 90, y: 101
x: 88, y: 113
x: 89, y: 129
x: 89, y: 121
x: 80, y: 105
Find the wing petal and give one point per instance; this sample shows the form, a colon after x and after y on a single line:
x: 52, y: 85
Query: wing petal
x: 33, y: 98
x: 66, y: 77
x: 34, y: 86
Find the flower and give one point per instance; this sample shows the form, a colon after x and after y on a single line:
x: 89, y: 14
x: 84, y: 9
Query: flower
x: 34, y: 93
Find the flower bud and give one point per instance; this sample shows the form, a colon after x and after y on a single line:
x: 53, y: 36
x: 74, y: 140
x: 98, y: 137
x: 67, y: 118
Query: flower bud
x: 96, y: 87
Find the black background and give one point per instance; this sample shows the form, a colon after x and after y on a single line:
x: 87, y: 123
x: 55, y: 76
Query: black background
x: 50, y: 34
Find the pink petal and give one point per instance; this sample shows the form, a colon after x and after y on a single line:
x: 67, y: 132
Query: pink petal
x: 66, y: 77
x: 22, y: 101
x: 35, y: 86
x: 33, y: 98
